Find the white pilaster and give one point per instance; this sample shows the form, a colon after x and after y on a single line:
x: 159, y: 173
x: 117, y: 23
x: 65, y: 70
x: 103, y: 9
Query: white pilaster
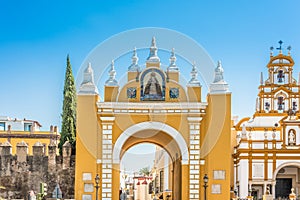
x: 235, y: 176
x: 107, y: 124
x: 194, y: 161
x: 243, y: 175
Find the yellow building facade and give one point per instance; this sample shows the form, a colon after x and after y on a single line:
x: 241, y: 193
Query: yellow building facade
x: 21, y: 131
x: 162, y: 172
x: 154, y: 107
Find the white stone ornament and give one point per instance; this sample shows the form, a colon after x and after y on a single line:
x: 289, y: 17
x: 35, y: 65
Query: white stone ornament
x: 267, y: 195
x: 88, y: 86
x: 219, y: 85
x: 261, y: 78
x: 173, y: 66
x: 291, y: 137
x: 219, y: 71
x: 134, y: 67
x: 153, y: 58
x: 244, y: 132
x: 194, y: 74
x: 257, y: 105
x: 112, y: 76
x: 292, y: 195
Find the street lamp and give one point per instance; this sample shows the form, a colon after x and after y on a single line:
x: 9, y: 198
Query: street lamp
x: 235, y: 192
x: 205, y: 180
x: 97, y: 180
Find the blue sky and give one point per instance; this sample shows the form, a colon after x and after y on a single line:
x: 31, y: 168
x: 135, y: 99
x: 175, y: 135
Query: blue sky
x: 36, y: 37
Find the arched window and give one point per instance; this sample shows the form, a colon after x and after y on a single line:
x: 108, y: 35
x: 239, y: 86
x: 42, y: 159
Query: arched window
x: 280, y: 76
x: 280, y: 103
x: 267, y: 106
x: 294, y: 105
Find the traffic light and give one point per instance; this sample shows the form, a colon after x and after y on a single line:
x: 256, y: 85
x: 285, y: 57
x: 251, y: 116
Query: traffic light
x: 43, y: 189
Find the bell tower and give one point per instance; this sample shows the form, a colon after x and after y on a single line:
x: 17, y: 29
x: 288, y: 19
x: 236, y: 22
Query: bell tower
x: 280, y: 92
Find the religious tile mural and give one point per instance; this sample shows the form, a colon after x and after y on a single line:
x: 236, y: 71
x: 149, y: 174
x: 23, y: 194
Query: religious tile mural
x: 153, y: 85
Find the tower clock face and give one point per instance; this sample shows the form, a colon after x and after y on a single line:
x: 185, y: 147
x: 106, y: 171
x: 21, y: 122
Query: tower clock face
x: 131, y: 93
x: 174, y: 93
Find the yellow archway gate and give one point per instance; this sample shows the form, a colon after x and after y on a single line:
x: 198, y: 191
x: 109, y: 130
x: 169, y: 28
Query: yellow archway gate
x: 154, y: 107
x: 160, y: 134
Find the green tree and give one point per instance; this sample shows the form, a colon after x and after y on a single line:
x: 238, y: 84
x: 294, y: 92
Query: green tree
x: 68, y: 127
x: 145, y: 171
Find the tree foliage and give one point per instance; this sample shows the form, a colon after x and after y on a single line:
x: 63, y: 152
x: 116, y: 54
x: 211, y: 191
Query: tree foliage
x: 68, y: 127
x: 145, y: 171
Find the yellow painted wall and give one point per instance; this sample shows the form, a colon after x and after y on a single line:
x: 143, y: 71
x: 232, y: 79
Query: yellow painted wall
x: 116, y: 181
x: 111, y: 93
x: 122, y: 96
x: 216, y: 143
x: 30, y: 141
x: 182, y: 93
x: 173, y: 75
x: 87, y: 140
x: 151, y: 64
x: 131, y: 76
x: 85, y: 163
x: 194, y: 94
x: 185, y: 181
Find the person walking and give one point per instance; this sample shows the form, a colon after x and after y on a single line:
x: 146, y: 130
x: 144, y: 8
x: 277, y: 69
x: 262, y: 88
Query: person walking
x: 123, y: 195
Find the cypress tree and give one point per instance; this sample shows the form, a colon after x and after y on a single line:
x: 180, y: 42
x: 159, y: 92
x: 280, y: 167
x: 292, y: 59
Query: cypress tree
x: 68, y: 127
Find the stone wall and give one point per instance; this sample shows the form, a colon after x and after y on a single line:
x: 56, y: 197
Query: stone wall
x: 21, y: 173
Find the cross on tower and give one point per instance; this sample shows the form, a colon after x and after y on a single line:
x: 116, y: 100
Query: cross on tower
x: 280, y: 43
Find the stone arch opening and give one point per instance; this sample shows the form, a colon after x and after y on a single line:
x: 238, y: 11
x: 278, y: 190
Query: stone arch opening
x: 172, y: 135
x: 146, y: 171
x: 159, y: 134
x: 285, y: 177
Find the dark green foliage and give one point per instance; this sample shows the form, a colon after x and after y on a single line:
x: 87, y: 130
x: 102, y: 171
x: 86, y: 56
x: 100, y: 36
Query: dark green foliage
x: 68, y: 127
x: 145, y: 171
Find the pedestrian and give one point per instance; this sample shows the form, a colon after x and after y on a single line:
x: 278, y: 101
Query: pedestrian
x: 123, y: 195
x: 31, y: 195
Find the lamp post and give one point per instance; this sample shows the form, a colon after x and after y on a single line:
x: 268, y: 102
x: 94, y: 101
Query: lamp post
x: 235, y: 193
x: 205, y: 180
x: 97, y: 179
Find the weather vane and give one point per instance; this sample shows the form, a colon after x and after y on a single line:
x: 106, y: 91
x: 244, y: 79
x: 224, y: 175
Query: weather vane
x: 289, y: 48
x: 280, y: 43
